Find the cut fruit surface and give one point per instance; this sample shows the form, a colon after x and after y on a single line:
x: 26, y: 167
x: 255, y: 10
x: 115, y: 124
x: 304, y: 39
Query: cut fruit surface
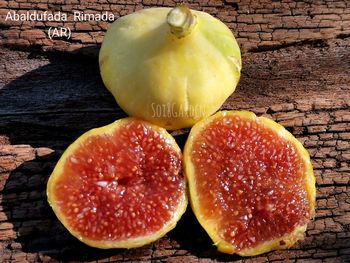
x: 251, y: 182
x: 119, y: 186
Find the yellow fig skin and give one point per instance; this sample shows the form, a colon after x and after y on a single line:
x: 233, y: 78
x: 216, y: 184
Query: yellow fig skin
x: 172, y: 81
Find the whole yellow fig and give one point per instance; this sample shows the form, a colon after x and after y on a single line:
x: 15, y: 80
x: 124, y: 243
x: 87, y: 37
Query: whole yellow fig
x: 170, y: 66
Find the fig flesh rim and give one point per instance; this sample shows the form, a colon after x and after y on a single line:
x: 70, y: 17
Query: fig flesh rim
x: 133, y: 241
x: 211, y: 225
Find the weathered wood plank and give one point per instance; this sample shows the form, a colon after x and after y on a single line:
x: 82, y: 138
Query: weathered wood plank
x: 303, y: 87
x: 258, y: 25
x: 296, y: 70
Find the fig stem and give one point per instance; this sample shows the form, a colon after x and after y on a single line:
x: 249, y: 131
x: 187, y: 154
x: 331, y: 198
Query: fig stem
x: 181, y: 20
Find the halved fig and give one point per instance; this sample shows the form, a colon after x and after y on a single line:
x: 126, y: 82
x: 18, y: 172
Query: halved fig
x: 119, y: 186
x: 251, y: 182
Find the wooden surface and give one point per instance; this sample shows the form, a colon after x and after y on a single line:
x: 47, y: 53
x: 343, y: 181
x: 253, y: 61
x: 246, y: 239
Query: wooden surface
x: 296, y: 70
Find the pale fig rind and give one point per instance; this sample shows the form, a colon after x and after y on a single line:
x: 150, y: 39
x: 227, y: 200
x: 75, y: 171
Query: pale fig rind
x: 169, y: 80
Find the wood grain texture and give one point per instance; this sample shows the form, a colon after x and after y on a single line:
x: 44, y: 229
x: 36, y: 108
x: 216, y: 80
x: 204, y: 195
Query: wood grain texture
x: 47, y: 99
x: 258, y: 25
